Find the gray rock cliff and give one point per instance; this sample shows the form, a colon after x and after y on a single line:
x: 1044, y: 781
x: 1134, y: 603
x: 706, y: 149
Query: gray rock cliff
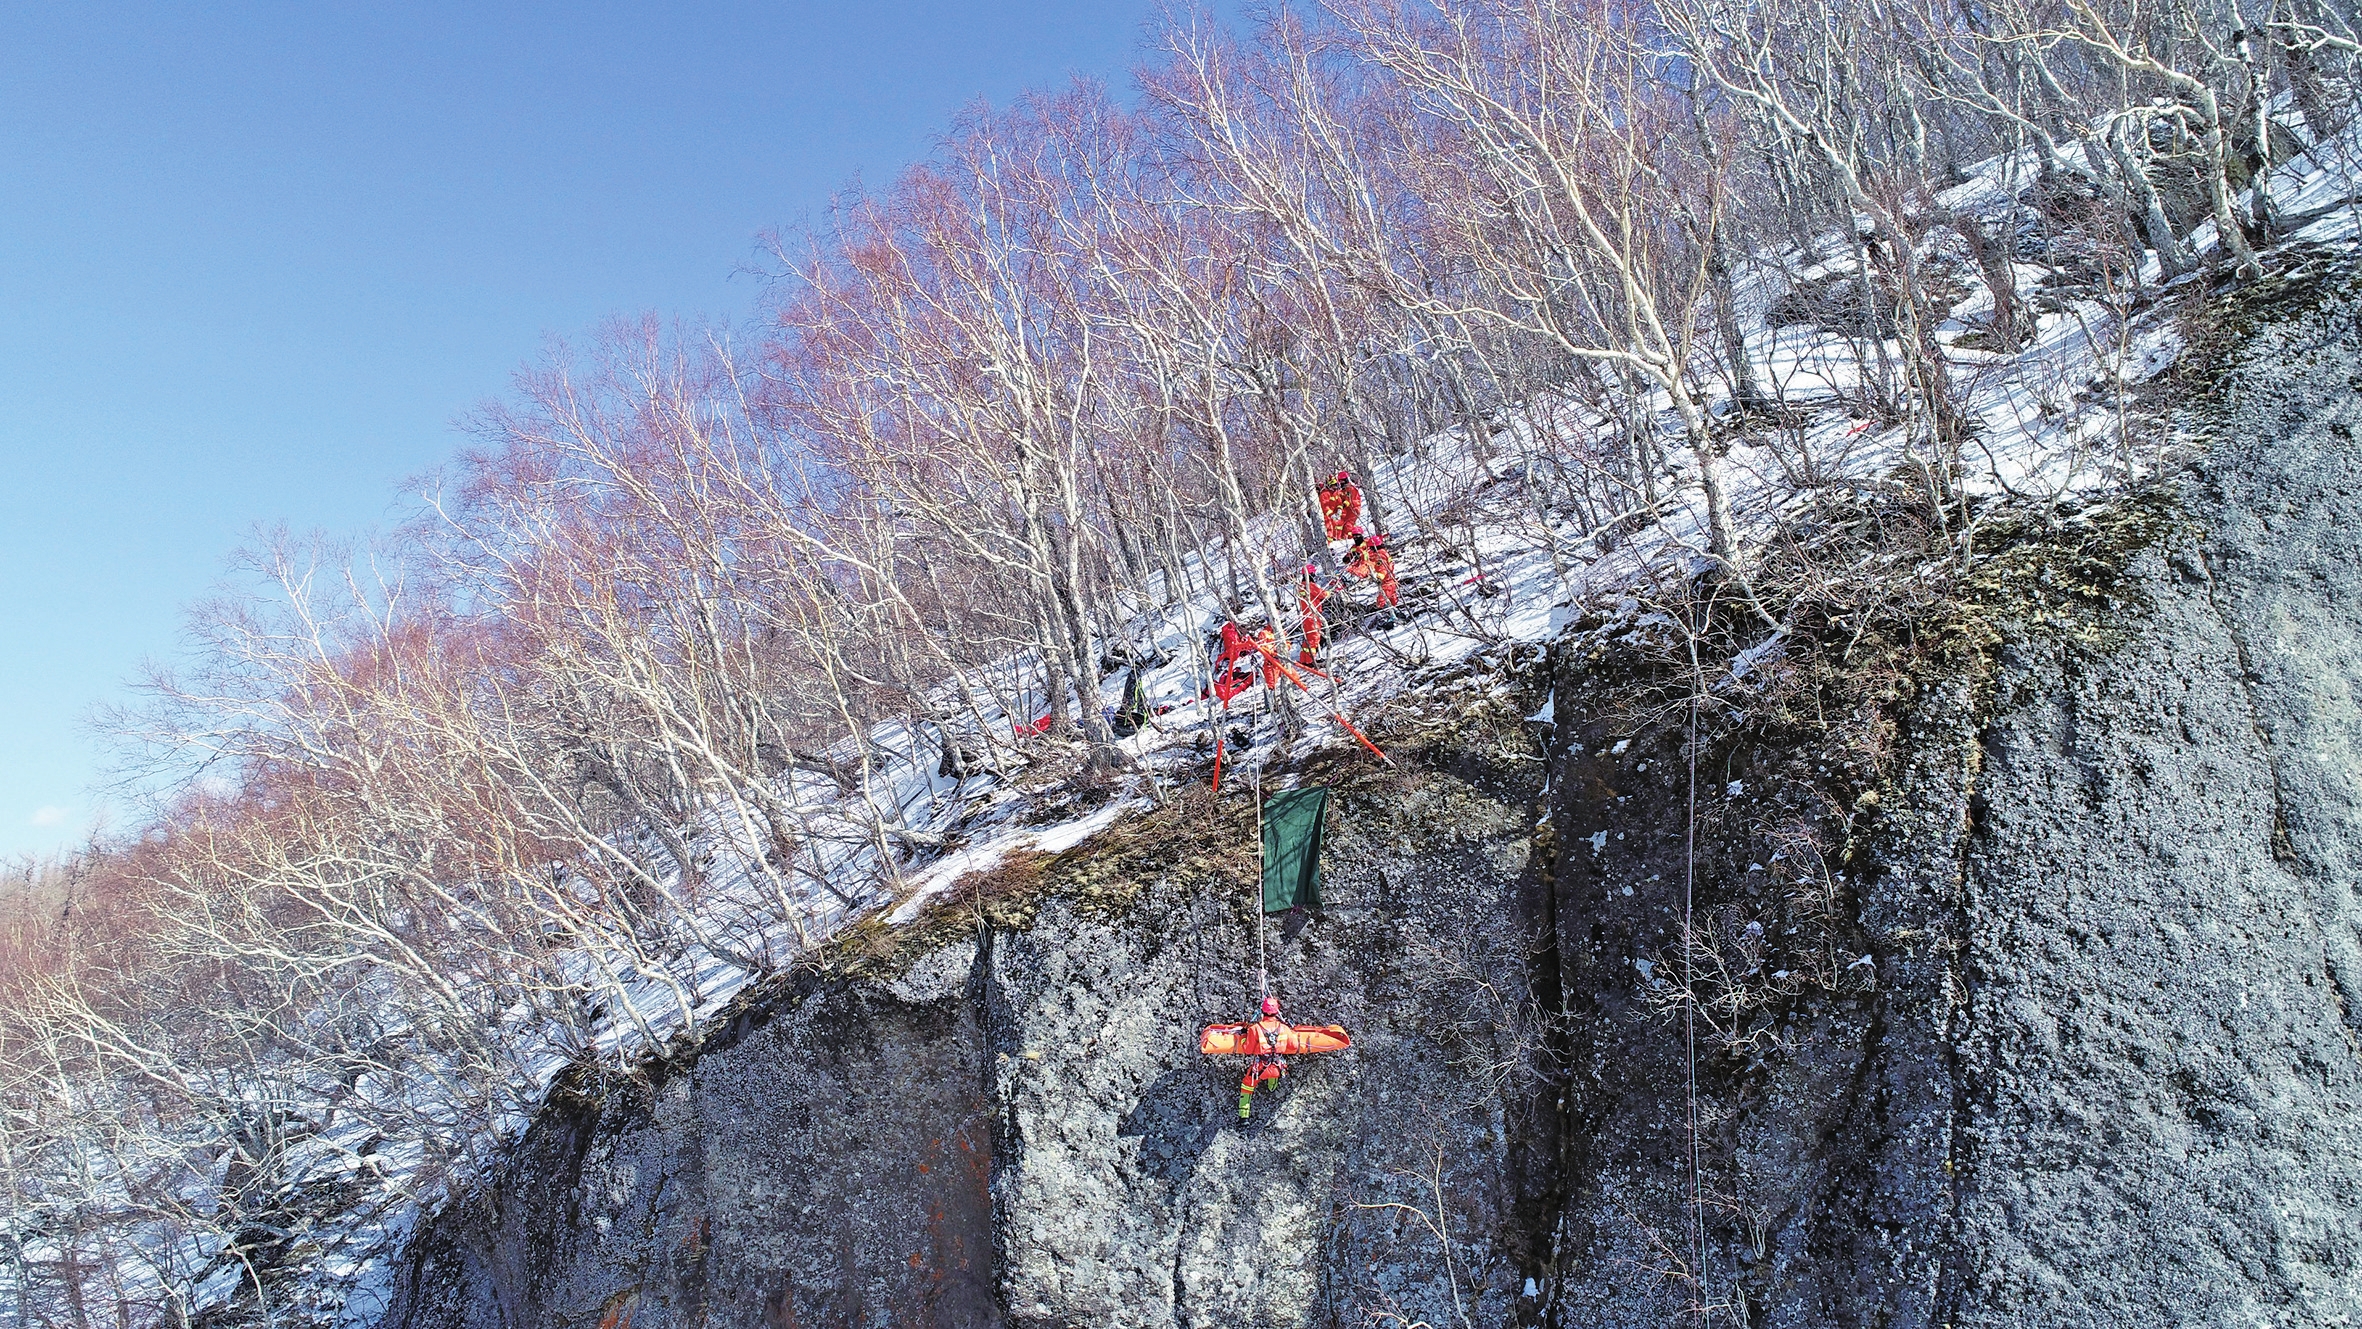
x: 2072, y: 1039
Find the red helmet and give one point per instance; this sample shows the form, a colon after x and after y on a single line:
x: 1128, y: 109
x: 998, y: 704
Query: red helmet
x: 1342, y: 477
x: 1271, y: 1006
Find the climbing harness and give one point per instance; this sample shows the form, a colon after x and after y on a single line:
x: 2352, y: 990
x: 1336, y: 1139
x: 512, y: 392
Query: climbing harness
x: 1268, y: 1043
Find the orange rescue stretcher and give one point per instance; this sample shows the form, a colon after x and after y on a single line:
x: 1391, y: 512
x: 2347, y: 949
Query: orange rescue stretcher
x: 1269, y: 1041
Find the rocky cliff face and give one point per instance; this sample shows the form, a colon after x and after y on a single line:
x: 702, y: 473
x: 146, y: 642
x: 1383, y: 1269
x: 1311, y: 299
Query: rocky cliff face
x: 2058, y: 1029
x: 1018, y: 1129
x: 2095, y: 1061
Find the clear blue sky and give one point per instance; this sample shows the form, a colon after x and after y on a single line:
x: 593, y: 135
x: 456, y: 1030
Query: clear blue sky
x: 254, y: 261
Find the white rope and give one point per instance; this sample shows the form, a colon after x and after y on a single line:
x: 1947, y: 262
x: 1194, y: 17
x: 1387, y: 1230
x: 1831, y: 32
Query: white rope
x: 1689, y: 1025
x: 1262, y: 970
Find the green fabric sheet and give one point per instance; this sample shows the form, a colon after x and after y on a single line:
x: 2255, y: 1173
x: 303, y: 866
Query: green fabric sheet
x: 1292, y: 823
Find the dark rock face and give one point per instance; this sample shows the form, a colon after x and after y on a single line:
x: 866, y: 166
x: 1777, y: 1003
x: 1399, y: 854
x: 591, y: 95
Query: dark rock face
x: 1020, y: 1131
x: 2160, y: 1067
x: 2090, y: 1055
x: 831, y: 1167
x: 2101, y: 1065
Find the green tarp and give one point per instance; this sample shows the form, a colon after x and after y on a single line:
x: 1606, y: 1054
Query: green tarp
x: 1292, y: 823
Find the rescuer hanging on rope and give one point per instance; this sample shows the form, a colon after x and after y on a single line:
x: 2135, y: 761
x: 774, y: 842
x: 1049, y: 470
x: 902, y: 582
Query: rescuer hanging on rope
x: 1290, y: 827
x: 1268, y: 1043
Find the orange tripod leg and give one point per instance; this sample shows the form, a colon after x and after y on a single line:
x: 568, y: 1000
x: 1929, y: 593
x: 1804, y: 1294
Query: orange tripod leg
x: 1335, y: 714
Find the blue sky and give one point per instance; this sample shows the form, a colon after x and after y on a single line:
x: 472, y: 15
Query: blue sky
x: 254, y: 262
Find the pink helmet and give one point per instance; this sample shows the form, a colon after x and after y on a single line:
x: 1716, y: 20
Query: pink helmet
x: 1271, y: 1005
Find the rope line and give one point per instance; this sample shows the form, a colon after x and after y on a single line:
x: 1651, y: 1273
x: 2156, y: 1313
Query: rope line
x: 1262, y: 970
x: 1689, y: 1024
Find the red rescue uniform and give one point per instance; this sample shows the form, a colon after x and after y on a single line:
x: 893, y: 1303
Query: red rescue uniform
x: 1340, y: 507
x: 1268, y: 1042
x: 1309, y: 596
x: 1372, y: 561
